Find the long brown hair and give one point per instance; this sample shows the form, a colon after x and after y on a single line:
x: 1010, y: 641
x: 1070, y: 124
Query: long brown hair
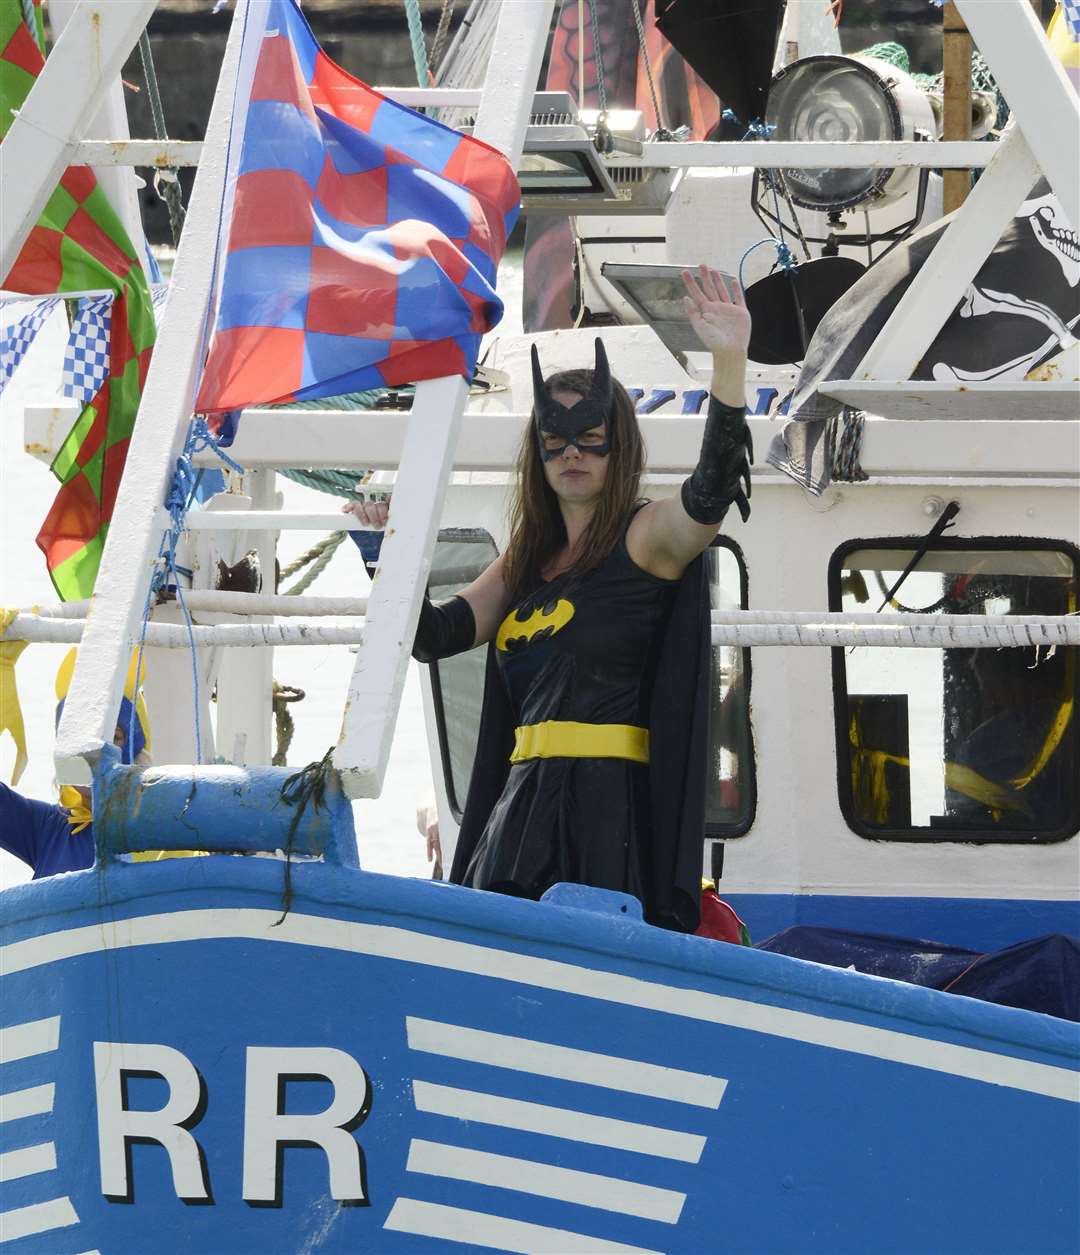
x: 537, y: 531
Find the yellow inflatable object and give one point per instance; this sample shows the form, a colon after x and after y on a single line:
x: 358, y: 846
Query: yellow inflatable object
x: 67, y: 670
x: 11, y: 717
x: 1066, y: 49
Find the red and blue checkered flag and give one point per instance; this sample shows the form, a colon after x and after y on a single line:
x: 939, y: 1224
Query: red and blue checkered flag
x: 362, y: 240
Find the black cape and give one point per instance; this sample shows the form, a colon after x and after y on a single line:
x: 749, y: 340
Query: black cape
x: 678, y: 759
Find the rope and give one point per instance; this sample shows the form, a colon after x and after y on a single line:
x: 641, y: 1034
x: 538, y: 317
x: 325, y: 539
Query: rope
x: 166, y: 183
x: 441, y: 32
x: 847, y: 448
x: 307, y: 785
x: 284, y: 727
x: 416, y: 39
x: 662, y: 133
x: 181, y: 493
x: 598, y: 53
x: 319, y: 556
x: 784, y: 256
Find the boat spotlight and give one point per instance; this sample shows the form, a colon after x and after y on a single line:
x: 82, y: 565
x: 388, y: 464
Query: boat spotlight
x: 839, y: 99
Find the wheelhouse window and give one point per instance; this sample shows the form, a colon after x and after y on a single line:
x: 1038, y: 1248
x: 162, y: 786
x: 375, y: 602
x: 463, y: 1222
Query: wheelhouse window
x: 958, y: 744
x: 458, y: 686
x: 730, y: 797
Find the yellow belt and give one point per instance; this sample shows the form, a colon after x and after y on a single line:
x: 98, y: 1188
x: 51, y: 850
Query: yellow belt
x: 564, y: 739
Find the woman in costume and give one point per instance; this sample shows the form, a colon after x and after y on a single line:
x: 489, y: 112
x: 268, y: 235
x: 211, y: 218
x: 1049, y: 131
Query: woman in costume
x: 591, y: 759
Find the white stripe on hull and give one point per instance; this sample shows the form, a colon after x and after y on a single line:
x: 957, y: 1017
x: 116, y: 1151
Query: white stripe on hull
x: 383, y: 941
x: 576, y: 1126
x: 21, y: 1041
x: 24, y: 1222
x: 27, y: 1161
x: 20, y: 1103
x: 527, y: 1176
x: 476, y: 1228
x: 521, y: 1054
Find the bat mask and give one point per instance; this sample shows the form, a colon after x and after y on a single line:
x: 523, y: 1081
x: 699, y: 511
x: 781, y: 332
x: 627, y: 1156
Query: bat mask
x: 569, y: 422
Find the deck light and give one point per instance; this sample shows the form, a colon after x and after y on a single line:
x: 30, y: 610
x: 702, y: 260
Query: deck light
x: 840, y: 100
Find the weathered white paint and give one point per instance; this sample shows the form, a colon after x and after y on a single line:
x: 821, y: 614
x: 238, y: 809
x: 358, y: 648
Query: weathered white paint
x: 810, y: 155
x: 57, y: 113
x: 1011, y: 38
x: 245, y: 678
x: 90, y: 711
x: 394, y: 605
x: 1007, y: 400
x: 162, y: 154
x: 110, y: 124
x: 250, y: 520
x: 936, y: 633
x: 947, y: 449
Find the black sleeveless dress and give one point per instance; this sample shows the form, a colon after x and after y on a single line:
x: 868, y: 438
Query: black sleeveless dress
x: 577, y: 651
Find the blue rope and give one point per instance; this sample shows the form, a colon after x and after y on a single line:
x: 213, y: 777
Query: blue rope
x: 784, y: 256
x: 178, y: 501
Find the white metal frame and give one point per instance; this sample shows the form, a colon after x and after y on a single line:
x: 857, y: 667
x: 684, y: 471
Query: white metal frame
x: 1006, y: 31
x: 59, y: 109
x: 1034, y: 82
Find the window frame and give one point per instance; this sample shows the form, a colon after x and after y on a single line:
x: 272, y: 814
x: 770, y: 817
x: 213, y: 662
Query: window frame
x: 721, y: 831
x: 924, y: 836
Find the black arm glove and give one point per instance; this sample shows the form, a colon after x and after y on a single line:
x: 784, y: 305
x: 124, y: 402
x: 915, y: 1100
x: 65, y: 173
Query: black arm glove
x: 445, y: 628
x: 723, y: 467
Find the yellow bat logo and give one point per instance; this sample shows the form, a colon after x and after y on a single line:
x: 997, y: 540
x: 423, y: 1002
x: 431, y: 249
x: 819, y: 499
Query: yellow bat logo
x: 515, y: 633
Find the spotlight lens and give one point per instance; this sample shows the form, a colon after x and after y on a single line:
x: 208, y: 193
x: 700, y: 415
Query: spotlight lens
x: 837, y: 100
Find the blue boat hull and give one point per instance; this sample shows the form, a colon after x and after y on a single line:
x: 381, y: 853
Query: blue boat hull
x: 403, y: 1066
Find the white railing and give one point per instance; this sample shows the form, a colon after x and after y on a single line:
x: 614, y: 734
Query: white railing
x: 742, y: 628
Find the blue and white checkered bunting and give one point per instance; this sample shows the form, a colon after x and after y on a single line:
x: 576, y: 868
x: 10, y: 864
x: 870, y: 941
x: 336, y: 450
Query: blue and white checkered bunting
x: 17, y: 337
x: 86, y: 358
x: 159, y: 295
x: 1071, y: 11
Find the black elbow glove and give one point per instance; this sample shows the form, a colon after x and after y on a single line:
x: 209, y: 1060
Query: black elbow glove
x: 722, y: 475
x: 445, y: 628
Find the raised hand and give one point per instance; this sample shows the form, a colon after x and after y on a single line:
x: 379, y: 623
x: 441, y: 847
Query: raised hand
x: 717, y: 312
x: 370, y: 517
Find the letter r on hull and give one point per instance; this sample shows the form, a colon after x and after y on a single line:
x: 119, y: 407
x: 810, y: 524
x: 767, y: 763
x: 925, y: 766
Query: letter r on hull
x: 119, y: 1128
x: 268, y: 1130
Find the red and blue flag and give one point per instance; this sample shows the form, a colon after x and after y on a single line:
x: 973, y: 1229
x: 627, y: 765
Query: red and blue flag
x: 360, y: 239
